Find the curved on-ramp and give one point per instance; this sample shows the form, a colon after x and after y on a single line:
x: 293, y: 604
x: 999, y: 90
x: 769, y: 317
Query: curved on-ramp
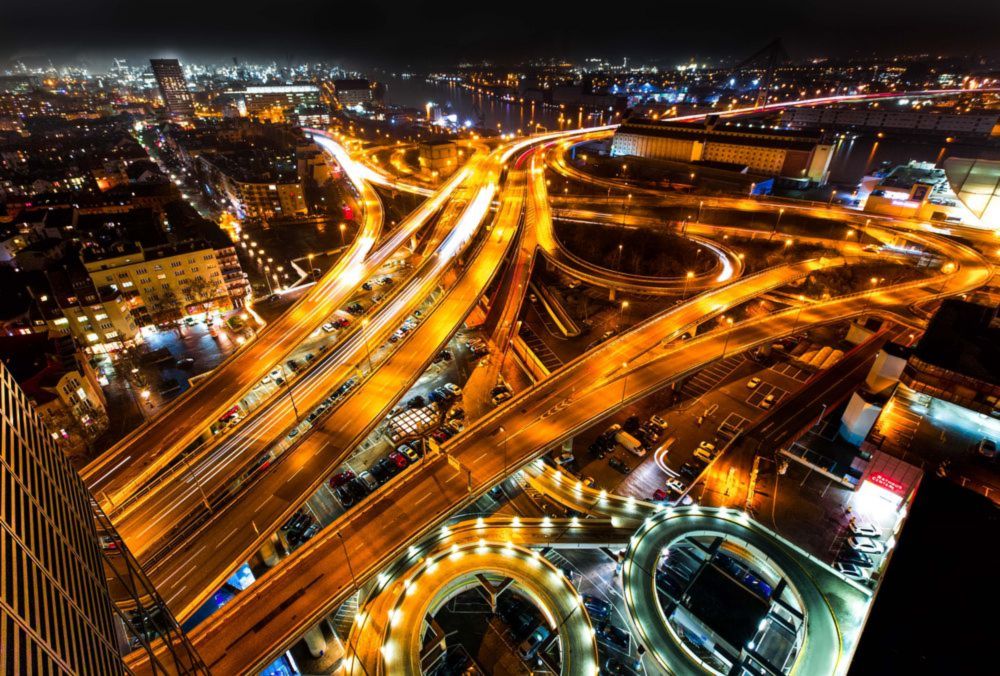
x: 388, y: 633
x: 821, y: 651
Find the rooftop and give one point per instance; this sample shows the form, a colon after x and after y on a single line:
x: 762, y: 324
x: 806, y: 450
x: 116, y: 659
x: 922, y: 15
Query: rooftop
x: 963, y: 337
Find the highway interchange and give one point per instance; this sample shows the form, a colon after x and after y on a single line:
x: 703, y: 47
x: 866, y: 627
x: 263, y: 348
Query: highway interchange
x: 453, y: 245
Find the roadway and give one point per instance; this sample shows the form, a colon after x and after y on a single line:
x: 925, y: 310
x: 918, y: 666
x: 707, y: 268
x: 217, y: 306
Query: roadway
x: 150, y: 517
x: 388, y: 633
x: 571, y: 400
x: 207, y: 556
x: 817, y: 589
x: 148, y: 449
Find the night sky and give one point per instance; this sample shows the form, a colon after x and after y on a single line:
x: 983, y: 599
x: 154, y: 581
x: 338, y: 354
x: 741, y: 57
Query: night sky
x: 423, y: 34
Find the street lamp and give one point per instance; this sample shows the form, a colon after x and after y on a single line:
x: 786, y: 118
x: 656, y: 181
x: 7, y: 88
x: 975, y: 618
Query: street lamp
x: 687, y: 280
x: 701, y: 203
x: 291, y: 395
x: 624, y: 382
x: 312, y: 271
x: 777, y: 221
x: 621, y: 314
x: 343, y: 226
x: 725, y: 344
x: 503, y: 430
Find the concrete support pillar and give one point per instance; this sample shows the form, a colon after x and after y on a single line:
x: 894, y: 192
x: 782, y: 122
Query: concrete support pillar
x: 568, y: 445
x: 315, y: 641
x: 269, y: 551
x: 611, y: 294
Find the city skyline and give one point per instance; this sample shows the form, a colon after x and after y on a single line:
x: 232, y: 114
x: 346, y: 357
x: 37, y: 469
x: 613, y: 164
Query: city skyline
x: 382, y: 35
x: 582, y: 364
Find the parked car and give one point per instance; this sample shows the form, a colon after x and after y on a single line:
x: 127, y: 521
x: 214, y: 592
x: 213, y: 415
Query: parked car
x: 860, y: 559
x: 599, y: 609
x: 619, y: 465
x: 329, y: 327
x: 753, y: 383
x: 658, y: 421
x: 341, y: 478
x: 659, y: 495
x: 987, y: 448
x: 529, y: 646
x: 867, y: 530
x: 852, y: 571
x: 676, y: 486
x: 767, y: 402
x: 866, y: 545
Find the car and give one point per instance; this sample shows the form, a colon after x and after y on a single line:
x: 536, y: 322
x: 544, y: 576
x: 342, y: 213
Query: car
x: 533, y: 298
x: 564, y: 458
x: 265, y: 380
x: 411, y: 454
x: 707, y: 445
x: 753, y: 383
x: 659, y: 495
x: 501, y: 397
x: 436, y: 396
x: 341, y: 478
x: 675, y: 485
x: 767, y: 402
x: 588, y: 481
x: 866, y: 545
x: 619, y: 465
x: 987, y: 448
x: 369, y: 481
x: 615, y: 636
x: 398, y: 458
x: 294, y: 433
x: 185, y: 362
x: 658, y: 421
x: 690, y: 470
x: 457, y: 413
x: 529, y: 646
x: 328, y: 327
x: 703, y: 455
x: 851, y: 571
x: 455, y: 390
x: 857, y: 558
x: 292, y: 365
x: 867, y: 530
x: 599, y: 609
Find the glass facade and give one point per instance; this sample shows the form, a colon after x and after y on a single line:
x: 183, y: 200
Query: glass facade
x: 72, y: 598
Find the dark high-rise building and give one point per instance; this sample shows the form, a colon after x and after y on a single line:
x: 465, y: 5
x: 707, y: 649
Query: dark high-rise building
x: 61, y: 563
x: 173, y: 87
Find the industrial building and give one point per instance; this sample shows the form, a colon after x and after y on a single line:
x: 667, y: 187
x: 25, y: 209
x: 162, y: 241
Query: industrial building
x: 756, y: 150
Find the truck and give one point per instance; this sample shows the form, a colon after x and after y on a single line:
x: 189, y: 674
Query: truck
x: 630, y: 443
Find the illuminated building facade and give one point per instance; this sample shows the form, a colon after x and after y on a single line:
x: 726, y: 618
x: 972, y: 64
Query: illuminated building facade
x: 173, y: 87
x: 764, y: 151
x: 58, y: 558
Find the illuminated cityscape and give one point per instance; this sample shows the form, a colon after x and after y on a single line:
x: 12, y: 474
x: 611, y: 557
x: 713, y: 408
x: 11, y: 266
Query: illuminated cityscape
x: 399, y: 342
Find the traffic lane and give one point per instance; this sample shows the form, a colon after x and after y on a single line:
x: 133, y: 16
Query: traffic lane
x: 277, y: 493
x: 644, y: 377
x: 143, y: 528
x: 136, y: 457
x: 536, y: 431
x: 446, y: 572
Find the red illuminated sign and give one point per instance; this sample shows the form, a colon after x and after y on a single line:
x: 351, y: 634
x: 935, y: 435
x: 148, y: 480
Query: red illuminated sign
x: 889, y: 484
